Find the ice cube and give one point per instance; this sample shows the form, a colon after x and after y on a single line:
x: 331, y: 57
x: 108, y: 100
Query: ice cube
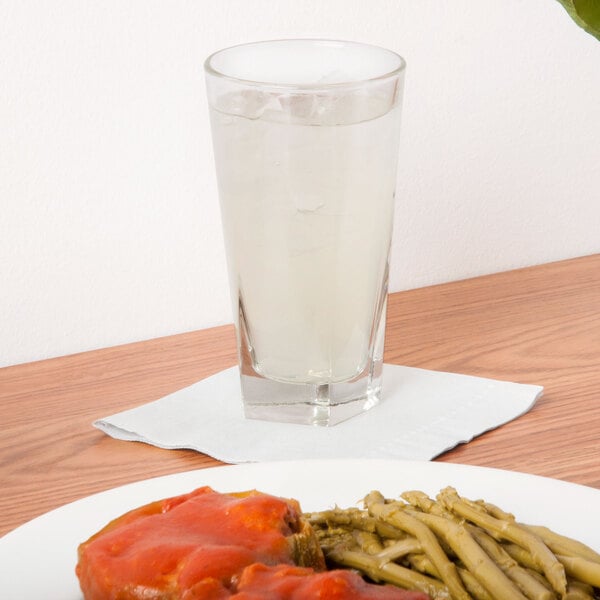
x: 247, y: 103
x: 299, y: 106
x: 309, y: 108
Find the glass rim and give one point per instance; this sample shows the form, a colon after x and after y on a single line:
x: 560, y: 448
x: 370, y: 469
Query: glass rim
x: 211, y: 70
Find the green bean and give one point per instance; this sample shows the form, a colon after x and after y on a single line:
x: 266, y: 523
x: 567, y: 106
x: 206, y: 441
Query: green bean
x: 457, y: 549
x: 495, y: 511
x: 579, y: 591
x: 581, y: 569
x: 423, y: 564
x: 522, y: 556
x: 473, y: 586
x: 539, y: 576
x: 528, y: 584
x: 356, y: 519
x: 472, y: 556
x: 394, y: 515
x: 408, y: 545
x: 560, y: 544
x: 368, y: 542
x: 425, y: 503
x: 509, y: 530
x: 390, y: 573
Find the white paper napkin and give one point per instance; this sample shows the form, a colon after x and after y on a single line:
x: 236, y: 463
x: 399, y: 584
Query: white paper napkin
x: 422, y: 413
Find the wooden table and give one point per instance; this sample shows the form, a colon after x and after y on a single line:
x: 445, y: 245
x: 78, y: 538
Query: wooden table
x: 537, y: 325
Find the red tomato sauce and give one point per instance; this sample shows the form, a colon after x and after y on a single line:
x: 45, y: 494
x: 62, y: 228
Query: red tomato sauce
x: 296, y: 583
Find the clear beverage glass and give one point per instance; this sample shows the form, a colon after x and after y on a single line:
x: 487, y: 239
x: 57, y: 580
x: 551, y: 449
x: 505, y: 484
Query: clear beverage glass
x: 305, y: 136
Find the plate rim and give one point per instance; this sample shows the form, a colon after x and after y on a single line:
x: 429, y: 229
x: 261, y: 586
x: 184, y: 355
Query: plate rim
x: 266, y: 465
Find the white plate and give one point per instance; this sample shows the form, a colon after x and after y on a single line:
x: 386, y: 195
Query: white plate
x: 38, y: 559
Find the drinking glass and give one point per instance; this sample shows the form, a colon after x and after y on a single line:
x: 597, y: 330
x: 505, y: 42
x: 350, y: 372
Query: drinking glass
x: 305, y: 136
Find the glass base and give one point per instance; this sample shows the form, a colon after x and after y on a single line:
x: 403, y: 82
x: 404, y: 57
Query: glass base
x: 309, y: 404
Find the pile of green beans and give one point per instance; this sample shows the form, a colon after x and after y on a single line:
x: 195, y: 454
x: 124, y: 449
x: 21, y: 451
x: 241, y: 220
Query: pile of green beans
x: 454, y: 548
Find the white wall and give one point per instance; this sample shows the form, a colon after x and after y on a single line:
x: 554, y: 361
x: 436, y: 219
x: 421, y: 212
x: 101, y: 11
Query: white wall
x: 109, y: 218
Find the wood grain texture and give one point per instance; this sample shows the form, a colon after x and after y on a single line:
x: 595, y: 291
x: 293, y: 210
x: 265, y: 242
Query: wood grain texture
x: 537, y: 325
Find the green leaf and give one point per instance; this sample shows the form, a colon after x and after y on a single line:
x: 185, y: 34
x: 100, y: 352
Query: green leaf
x: 586, y: 13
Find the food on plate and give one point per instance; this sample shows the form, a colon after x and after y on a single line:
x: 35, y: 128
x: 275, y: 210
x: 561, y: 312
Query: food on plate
x: 456, y: 548
x: 249, y: 545
x: 209, y: 546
